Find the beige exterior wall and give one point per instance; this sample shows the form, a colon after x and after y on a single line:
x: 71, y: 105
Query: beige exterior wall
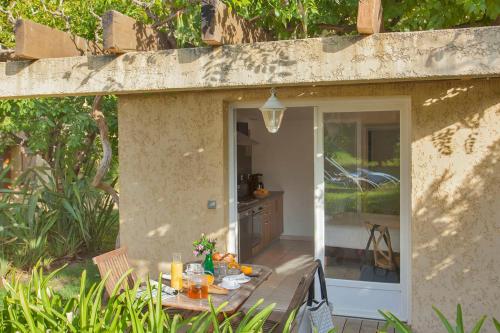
x: 173, y: 158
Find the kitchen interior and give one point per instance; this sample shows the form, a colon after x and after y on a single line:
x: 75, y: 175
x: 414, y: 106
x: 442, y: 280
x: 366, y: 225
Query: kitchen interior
x: 276, y: 198
x: 275, y: 187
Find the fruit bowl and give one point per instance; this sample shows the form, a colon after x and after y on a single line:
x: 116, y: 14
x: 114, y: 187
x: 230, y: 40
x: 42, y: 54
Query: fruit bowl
x: 261, y: 193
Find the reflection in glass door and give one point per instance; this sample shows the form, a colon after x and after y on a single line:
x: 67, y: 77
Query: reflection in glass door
x: 361, y: 165
x: 361, y: 200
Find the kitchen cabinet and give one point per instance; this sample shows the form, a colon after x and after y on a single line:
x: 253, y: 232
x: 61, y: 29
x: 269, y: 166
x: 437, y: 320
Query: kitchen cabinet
x: 277, y: 225
x: 260, y: 223
x: 272, y: 221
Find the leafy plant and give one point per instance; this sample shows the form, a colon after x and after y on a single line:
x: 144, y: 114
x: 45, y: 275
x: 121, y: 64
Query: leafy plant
x: 401, y: 327
x: 44, y: 219
x: 497, y: 325
x: 393, y: 321
x: 459, y: 328
x: 35, y: 307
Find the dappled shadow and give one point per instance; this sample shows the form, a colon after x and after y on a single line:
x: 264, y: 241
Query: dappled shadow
x: 269, y: 59
x: 475, y: 48
x: 458, y: 99
x: 456, y: 236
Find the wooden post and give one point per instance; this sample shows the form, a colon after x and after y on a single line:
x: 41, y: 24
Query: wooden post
x: 37, y: 41
x: 122, y: 33
x: 370, y: 19
x: 220, y: 25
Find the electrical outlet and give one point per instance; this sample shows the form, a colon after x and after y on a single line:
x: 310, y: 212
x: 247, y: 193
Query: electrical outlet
x: 212, y: 204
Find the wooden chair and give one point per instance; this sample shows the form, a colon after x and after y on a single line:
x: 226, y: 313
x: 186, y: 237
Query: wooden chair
x: 114, y: 264
x: 298, y: 299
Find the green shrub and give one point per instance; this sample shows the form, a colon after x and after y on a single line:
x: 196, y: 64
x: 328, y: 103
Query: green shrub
x: 44, y: 220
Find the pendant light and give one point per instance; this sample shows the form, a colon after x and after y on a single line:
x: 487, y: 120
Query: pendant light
x: 272, y: 112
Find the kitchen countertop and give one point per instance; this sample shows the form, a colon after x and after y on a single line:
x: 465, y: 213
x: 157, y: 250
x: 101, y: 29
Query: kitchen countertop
x: 272, y: 194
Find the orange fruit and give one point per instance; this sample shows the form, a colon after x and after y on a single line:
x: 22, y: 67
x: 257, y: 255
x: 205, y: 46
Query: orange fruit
x: 247, y: 270
x: 233, y: 264
x: 210, y: 279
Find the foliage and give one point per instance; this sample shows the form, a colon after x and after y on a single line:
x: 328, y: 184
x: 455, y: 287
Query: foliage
x: 497, y: 325
x: 459, y: 328
x: 42, y: 220
x: 285, y: 18
x: 60, y: 130
x: 401, y: 327
x: 203, y: 246
x: 36, y: 307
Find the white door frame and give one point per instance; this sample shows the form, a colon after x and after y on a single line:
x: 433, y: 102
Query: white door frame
x: 364, y: 103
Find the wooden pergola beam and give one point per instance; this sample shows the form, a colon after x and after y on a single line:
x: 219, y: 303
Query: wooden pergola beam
x: 38, y: 41
x: 370, y: 20
x: 222, y: 26
x: 122, y: 34
x: 412, y: 56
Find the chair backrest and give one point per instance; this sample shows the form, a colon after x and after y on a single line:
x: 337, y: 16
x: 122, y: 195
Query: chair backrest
x: 114, y: 264
x: 300, y: 293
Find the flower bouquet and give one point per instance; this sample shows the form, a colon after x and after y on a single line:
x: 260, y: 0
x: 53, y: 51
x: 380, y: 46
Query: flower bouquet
x: 204, y: 247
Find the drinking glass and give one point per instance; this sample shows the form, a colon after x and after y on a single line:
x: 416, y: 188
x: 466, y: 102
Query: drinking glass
x: 222, y: 269
x: 197, y: 282
x: 176, y: 272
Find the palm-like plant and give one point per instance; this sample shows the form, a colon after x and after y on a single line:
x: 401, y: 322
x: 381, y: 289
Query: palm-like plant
x: 497, y: 325
x: 35, y: 307
x: 459, y: 328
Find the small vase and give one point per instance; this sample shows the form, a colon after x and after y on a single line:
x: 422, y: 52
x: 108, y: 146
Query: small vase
x: 208, y: 264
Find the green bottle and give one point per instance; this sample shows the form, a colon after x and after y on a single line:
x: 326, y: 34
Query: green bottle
x: 208, y: 264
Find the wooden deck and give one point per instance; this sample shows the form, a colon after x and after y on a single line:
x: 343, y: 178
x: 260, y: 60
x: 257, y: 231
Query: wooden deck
x: 357, y: 325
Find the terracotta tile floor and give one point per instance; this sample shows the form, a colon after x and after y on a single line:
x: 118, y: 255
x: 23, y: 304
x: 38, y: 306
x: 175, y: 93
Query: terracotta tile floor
x: 286, y: 258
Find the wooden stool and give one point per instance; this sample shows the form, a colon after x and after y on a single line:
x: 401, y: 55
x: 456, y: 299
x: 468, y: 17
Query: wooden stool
x: 382, y: 258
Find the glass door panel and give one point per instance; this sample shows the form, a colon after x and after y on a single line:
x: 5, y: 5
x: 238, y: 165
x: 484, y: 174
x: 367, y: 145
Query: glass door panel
x: 362, y: 195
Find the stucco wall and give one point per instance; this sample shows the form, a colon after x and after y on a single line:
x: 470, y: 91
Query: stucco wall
x: 173, y: 159
x: 171, y: 154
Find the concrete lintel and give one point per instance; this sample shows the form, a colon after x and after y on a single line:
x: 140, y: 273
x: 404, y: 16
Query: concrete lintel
x: 386, y: 57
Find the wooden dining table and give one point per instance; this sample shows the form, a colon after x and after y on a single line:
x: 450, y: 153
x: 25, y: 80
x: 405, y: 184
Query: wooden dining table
x: 235, y: 298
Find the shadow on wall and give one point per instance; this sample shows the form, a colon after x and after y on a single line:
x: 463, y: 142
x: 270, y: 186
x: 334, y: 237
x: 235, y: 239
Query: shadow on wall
x: 456, y: 223
x: 459, y: 99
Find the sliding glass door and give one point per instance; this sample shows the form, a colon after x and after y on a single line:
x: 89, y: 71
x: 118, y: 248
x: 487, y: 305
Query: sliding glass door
x: 361, y: 204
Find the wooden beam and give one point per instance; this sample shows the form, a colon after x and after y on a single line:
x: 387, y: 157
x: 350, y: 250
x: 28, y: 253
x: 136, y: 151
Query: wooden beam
x: 412, y: 56
x: 221, y: 26
x: 37, y: 41
x: 370, y: 20
x: 122, y: 33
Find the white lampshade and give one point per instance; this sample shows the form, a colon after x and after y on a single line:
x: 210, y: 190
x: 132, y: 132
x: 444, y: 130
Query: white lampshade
x: 272, y: 112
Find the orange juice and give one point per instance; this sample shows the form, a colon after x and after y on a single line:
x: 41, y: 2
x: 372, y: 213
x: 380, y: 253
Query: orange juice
x: 176, y: 272
x: 198, y: 291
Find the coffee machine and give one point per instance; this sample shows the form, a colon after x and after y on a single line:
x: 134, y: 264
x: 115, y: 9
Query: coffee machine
x: 255, y: 182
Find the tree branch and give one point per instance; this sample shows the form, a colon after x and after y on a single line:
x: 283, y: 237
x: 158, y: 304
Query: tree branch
x: 107, y: 152
x: 10, y: 16
x: 59, y: 12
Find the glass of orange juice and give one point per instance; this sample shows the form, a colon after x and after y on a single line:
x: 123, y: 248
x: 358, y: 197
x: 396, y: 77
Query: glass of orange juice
x: 176, y: 272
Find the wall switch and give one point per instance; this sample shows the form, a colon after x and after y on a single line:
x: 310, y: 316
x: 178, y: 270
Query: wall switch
x: 212, y: 204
